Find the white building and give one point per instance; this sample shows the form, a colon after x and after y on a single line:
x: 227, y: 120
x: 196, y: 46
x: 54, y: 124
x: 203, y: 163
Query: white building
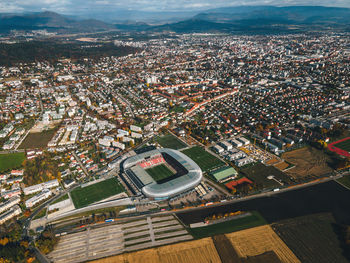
x: 105, y: 142
x: 118, y: 145
x: 136, y: 135
x: 243, y: 161
x: 9, y: 203
x: 227, y: 146
x: 122, y: 132
x: 244, y: 141
x: 236, y: 143
x: 237, y: 155
x: 38, y: 198
x: 39, y: 187
x: 12, y: 212
x: 218, y: 149
x: 135, y: 128
x: 11, y: 193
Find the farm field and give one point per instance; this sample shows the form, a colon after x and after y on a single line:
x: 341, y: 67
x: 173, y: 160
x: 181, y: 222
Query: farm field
x: 84, y: 196
x: 37, y: 140
x: 259, y: 240
x: 159, y: 172
x: 225, y: 249
x: 170, y: 141
x: 259, y: 173
x: 312, y: 238
x: 308, y: 161
x: 272, y: 161
x: 256, y: 245
x: 10, y: 161
x: 198, y: 251
x: 229, y: 226
x: 204, y: 159
x: 281, y: 166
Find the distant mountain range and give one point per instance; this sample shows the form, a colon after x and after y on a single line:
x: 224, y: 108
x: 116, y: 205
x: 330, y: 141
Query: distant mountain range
x: 230, y: 19
x: 50, y: 21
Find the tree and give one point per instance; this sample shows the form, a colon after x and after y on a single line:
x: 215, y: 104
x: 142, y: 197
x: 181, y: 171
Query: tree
x: 233, y: 191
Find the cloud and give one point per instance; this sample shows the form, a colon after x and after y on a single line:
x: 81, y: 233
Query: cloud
x: 83, y: 6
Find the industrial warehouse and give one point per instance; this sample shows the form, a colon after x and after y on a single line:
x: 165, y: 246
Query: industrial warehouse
x: 161, y: 173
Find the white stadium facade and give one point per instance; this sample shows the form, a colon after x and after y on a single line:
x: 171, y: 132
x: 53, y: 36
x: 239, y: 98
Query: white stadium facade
x: 186, y: 173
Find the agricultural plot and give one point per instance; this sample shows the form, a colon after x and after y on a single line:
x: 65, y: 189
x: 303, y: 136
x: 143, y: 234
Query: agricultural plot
x: 308, y: 161
x: 228, y: 253
x: 11, y: 161
x: 281, y: 166
x: 37, y: 140
x: 198, y: 251
x: 266, y: 176
x: 159, y: 172
x: 261, y: 241
x: 311, y: 238
x: 204, y: 159
x: 85, y: 196
x: 225, y: 249
x: 229, y: 226
x: 170, y: 141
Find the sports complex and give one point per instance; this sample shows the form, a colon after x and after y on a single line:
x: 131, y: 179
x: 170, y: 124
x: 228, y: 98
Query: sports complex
x: 161, y: 173
x: 341, y: 147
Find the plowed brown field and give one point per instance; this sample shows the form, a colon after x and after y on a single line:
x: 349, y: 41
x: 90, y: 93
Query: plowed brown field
x: 308, y: 162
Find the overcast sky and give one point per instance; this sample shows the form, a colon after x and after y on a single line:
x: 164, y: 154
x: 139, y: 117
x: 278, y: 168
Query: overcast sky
x: 86, y: 6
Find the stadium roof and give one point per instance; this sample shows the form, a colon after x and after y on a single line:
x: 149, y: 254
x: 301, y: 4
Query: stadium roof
x: 223, y: 173
x: 172, y: 187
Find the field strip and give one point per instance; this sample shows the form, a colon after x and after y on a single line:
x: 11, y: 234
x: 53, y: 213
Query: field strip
x: 261, y: 239
x: 135, y: 241
x: 168, y: 228
x: 171, y: 234
x: 135, y: 229
x: 136, y: 234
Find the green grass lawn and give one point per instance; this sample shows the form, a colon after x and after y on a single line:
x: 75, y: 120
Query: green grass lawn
x: 41, y: 214
x: 345, y: 145
x: 84, y: 196
x: 159, y: 172
x: 204, y: 159
x: 345, y: 180
x: 11, y: 161
x: 62, y: 198
x: 170, y: 141
x: 229, y: 226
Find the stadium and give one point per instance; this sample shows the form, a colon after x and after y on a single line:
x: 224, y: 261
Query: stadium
x: 161, y: 173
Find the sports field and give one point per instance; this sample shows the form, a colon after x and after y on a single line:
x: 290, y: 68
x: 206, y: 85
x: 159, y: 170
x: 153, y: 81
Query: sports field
x: 170, y: 141
x: 11, y: 161
x: 84, y: 196
x: 341, y: 147
x: 344, y: 145
x: 204, y: 159
x: 159, y: 172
